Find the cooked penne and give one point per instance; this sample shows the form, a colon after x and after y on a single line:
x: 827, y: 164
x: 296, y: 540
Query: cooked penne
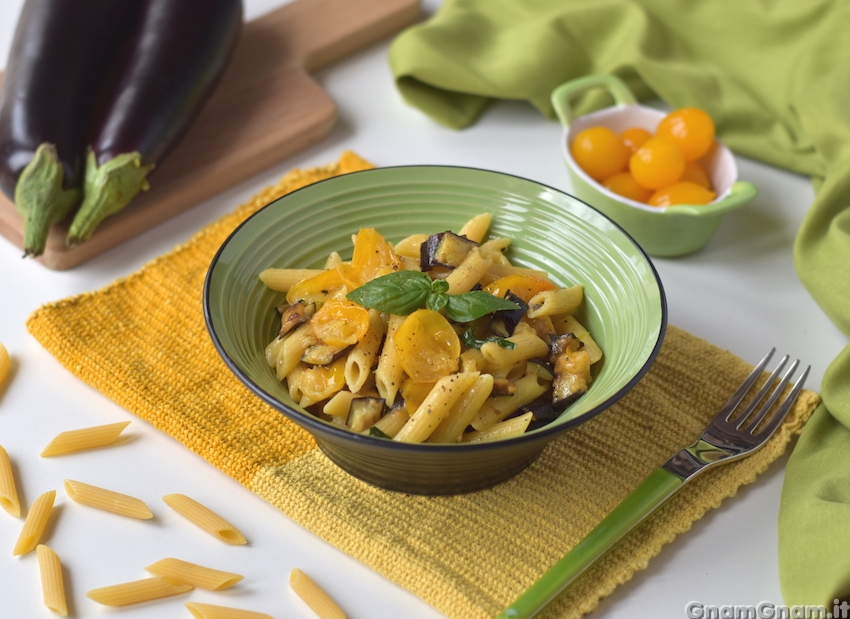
x: 552, y: 302
x: 392, y: 423
x: 52, y: 582
x: 83, y: 439
x: 5, y: 363
x: 212, y: 611
x: 389, y: 373
x: 333, y: 260
x: 363, y: 357
x: 339, y: 404
x: 501, y: 270
x: 8, y: 490
x: 568, y: 324
x: 435, y: 407
x: 294, y: 346
x: 527, y: 346
x: 107, y: 500
x: 469, y: 272
x: 504, y: 429
x: 281, y: 280
x: 410, y: 247
x: 528, y: 388
x: 35, y: 523
x: 192, y: 574
x: 476, y: 228
x: 451, y: 428
x: 137, y: 591
x: 313, y: 595
x: 204, y: 518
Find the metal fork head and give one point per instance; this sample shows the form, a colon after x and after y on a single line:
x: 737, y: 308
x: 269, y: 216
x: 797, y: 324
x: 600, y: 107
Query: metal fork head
x: 740, y: 431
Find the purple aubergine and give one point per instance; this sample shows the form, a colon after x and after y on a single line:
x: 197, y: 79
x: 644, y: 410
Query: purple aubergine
x: 60, y: 53
x: 178, y: 55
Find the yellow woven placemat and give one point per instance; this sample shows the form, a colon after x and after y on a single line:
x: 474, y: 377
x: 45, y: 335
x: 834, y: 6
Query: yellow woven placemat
x: 468, y: 556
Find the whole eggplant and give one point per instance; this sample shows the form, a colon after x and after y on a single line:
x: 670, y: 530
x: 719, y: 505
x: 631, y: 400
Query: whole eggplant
x: 60, y: 53
x: 178, y: 55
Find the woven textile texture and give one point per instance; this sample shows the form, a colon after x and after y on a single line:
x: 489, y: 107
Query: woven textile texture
x: 121, y: 340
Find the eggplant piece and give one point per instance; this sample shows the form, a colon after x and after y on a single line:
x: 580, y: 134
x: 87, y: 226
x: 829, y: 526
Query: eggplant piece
x: 178, y: 55
x: 323, y: 354
x: 293, y: 315
x: 444, y: 249
x: 364, y: 412
x: 572, y: 368
x: 504, y: 322
x: 60, y: 55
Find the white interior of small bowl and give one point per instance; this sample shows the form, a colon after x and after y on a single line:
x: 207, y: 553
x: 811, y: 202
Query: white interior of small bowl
x: 719, y: 163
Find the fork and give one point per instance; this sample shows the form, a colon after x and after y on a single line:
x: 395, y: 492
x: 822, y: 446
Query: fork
x: 732, y: 434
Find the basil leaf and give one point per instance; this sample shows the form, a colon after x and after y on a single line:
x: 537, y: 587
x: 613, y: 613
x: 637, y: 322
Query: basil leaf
x: 470, y: 341
x: 373, y: 431
x: 439, y: 285
x: 436, y: 301
x: 469, y: 306
x: 400, y: 293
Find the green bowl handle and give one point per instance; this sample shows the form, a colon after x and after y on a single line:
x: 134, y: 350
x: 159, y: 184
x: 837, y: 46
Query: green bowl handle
x: 740, y: 193
x: 562, y: 95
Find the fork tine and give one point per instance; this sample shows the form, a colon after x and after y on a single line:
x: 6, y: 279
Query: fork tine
x: 752, y: 424
x: 760, y: 395
x: 786, y: 405
x: 729, y: 408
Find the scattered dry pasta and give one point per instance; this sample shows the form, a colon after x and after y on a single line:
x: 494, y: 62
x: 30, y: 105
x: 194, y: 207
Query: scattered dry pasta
x: 35, y: 523
x: 83, y: 439
x: 314, y: 596
x: 8, y: 490
x: 443, y: 310
x: 107, y: 500
x: 52, y: 582
x: 137, y: 591
x: 192, y: 574
x: 204, y: 518
x: 213, y: 611
x: 5, y: 363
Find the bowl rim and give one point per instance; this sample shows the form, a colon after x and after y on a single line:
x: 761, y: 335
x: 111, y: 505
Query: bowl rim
x: 318, y: 427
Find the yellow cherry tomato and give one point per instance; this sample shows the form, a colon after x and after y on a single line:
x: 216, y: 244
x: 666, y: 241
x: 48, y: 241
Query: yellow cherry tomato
x: 684, y: 192
x: 634, y: 138
x: 427, y: 346
x: 695, y: 173
x: 657, y: 164
x: 599, y: 152
x: 523, y: 286
x: 689, y: 128
x: 624, y: 184
x: 340, y: 323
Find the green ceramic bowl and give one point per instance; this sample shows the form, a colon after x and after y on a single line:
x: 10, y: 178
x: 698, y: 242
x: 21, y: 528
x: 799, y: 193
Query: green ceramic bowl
x: 663, y: 232
x: 624, y: 306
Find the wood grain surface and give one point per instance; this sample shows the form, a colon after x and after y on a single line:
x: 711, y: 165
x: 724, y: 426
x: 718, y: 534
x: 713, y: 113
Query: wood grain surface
x: 266, y: 108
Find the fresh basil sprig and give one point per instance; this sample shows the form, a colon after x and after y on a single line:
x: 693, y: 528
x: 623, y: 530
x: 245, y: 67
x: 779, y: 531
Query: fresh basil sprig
x: 470, y: 341
x: 403, y: 292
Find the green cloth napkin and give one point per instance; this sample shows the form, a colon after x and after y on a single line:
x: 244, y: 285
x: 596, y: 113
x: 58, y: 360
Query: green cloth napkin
x: 775, y: 76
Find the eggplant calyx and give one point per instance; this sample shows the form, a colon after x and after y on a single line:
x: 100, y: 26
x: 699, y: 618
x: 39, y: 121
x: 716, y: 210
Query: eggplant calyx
x: 107, y: 189
x: 41, y: 198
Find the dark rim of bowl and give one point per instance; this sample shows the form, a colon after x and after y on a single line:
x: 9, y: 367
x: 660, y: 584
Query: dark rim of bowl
x: 313, y: 423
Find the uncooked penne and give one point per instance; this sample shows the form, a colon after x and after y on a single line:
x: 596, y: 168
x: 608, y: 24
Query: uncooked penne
x: 107, y: 500
x: 5, y: 363
x: 213, y: 611
x: 84, y: 438
x: 204, y: 518
x: 137, y: 591
x: 34, y: 525
x: 314, y: 596
x: 8, y: 490
x: 52, y: 581
x: 195, y: 575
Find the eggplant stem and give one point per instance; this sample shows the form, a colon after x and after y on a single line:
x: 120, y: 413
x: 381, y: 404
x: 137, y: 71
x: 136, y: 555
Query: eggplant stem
x: 107, y: 189
x: 41, y: 198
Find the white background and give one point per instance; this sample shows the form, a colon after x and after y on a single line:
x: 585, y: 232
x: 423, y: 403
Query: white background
x: 740, y: 293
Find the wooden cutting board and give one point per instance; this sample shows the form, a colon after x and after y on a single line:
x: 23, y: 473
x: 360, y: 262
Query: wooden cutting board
x: 266, y: 108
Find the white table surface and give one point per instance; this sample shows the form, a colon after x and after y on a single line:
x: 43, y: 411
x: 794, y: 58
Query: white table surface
x: 740, y: 293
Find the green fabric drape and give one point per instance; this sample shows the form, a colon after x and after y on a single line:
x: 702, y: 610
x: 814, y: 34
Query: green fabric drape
x: 775, y: 77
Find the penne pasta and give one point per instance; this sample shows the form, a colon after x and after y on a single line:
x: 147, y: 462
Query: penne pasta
x: 469, y: 272
x: 85, y: 438
x: 504, y: 429
x: 392, y: 423
x: 192, y: 574
x: 52, y: 581
x: 339, y: 404
x: 364, y: 356
x: 5, y: 363
x: 212, y: 611
x: 107, y: 500
x: 8, y: 490
x: 451, y: 428
x: 496, y: 408
x: 294, y: 346
x: 333, y: 260
x: 204, y: 518
x: 137, y: 591
x: 527, y: 346
x: 435, y: 407
x: 568, y: 324
x: 35, y: 523
x: 389, y: 373
x: 281, y: 280
x: 410, y: 247
x: 552, y: 302
x: 476, y: 228
x: 313, y: 595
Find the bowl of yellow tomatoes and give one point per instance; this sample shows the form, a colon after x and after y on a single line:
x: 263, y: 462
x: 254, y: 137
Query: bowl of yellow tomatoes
x: 663, y: 176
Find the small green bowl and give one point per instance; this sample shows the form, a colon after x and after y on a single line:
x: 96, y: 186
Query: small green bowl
x: 624, y: 307
x: 663, y: 232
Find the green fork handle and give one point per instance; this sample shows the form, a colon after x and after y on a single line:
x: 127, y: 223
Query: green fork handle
x: 659, y: 486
